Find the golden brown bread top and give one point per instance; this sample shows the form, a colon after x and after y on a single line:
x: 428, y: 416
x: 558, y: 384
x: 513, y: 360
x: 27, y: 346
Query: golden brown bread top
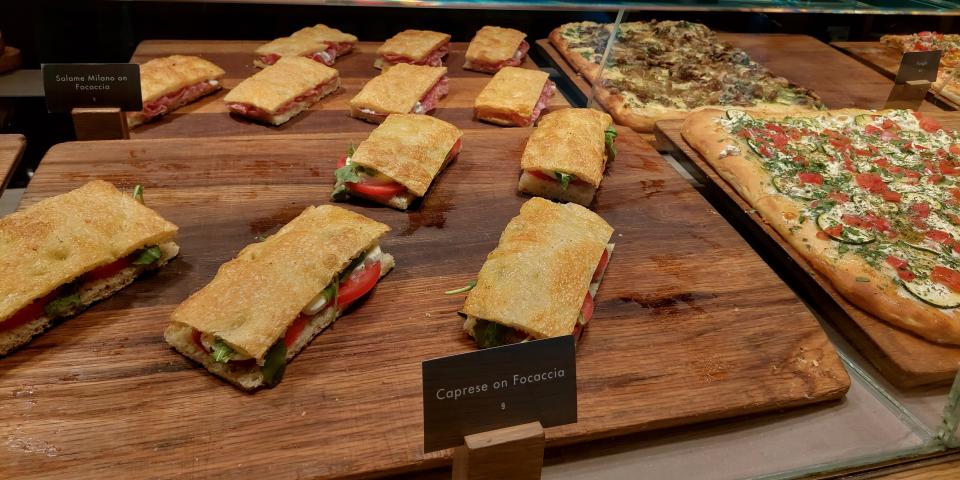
x: 255, y: 297
x: 280, y: 83
x: 413, y: 44
x: 291, y: 46
x: 537, y: 277
x: 494, y: 44
x: 398, y: 89
x: 325, y: 34
x: 164, y: 75
x: 60, y: 238
x: 512, y: 90
x: 569, y: 141
x: 409, y: 148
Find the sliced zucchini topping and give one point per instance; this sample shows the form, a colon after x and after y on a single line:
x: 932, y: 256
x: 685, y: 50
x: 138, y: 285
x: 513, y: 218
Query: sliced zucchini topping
x: 791, y: 186
x: 933, y: 293
x: 830, y: 222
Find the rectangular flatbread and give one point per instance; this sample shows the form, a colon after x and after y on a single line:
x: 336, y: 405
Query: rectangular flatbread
x: 168, y: 83
x: 282, y: 90
x: 417, y: 47
x: 493, y: 48
x: 514, y: 97
x: 404, y: 88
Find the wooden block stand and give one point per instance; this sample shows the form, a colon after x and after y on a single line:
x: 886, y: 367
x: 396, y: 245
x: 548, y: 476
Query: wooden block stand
x: 100, y: 124
x: 512, y: 452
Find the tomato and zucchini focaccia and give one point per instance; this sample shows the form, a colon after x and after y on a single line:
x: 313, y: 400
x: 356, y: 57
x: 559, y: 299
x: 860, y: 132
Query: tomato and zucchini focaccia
x: 169, y: 83
x: 870, y: 198
x: 514, y: 97
x: 396, y: 164
x: 281, y: 91
x: 566, y: 155
x: 266, y: 304
x: 402, y: 89
x: 416, y: 47
x: 69, y: 251
x: 541, y: 279
x: 493, y: 48
x: 319, y: 43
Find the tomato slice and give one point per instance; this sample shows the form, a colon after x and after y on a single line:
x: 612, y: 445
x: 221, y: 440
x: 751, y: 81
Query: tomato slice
x: 197, y: 342
x: 373, y: 187
x: 455, y: 149
x: 551, y: 178
x: 587, y: 308
x: 295, y: 329
x: 604, y: 259
x: 29, y: 313
x: 357, y: 285
x: 107, y: 270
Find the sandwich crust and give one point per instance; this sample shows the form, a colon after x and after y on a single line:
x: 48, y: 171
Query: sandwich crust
x: 164, y: 75
x: 413, y: 44
x: 537, y: 277
x: 292, y: 46
x: 494, y: 44
x: 511, y: 90
x: 409, y: 148
x: 255, y: 297
x: 274, y: 86
x: 55, y: 241
x: 325, y: 34
x: 570, y: 141
x: 398, y: 89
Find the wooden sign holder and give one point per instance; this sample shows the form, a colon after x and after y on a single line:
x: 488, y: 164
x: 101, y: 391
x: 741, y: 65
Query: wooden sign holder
x: 513, y: 452
x: 908, y: 95
x: 100, y: 124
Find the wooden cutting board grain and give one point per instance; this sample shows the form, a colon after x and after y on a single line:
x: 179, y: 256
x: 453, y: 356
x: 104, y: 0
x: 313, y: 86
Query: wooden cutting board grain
x: 11, y: 147
x: 690, y: 325
x: 905, y: 359
x: 209, y: 116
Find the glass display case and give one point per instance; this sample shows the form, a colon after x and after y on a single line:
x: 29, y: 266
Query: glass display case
x: 717, y: 347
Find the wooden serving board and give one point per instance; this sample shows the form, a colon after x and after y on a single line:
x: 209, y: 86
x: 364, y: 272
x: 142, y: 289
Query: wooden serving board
x: 690, y: 325
x: 905, y: 359
x: 209, y: 116
x: 885, y: 60
x: 11, y: 148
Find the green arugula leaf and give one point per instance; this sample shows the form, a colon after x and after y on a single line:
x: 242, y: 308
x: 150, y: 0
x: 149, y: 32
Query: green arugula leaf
x: 348, y: 173
x: 470, y: 285
x: 564, y: 179
x: 138, y: 193
x: 148, y: 256
x: 62, y: 305
x: 222, y: 353
x: 608, y: 137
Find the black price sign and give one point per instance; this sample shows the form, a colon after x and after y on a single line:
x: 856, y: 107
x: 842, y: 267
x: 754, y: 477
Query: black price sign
x: 497, y: 388
x: 918, y: 66
x: 72, y: 85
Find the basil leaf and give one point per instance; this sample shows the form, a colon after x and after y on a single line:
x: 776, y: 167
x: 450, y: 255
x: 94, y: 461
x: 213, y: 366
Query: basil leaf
x: 608, y: 137
x: 62, y: 305
x: 138, y: 193
x: 564, y: 179
x: 274, y: 364
x: 488, y: 334
x: 470, y: 285
x: 222, y: 353
x: 339, y: 193
x: 348, y: 173
x: 148, y: 256
x: 351, y: 150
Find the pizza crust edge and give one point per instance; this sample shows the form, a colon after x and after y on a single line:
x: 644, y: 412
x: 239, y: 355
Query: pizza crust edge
x: 584, y: 67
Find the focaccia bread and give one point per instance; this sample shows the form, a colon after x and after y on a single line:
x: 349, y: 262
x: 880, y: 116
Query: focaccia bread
x: 514, y: 97
x: 69, y: 251
x: 293, y: 46
x: 401, y: 89
x: 399, y: 160
x: 323, y: 33
x: 871, y: 199
x: 281, y: 91
x: 168, y: 83
x: 567, y: 154
x: 239, y: 325
x: 418, y: 47
x: 493, y: 48
x: 319, y: 43
x: 546, y: 267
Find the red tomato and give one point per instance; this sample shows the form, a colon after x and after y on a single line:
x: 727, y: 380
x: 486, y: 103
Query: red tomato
x: 945, y: 276
x: 551, y: 178
x: 955, y: 149
x: 839, y: 196
x: 108, y: 270
x: 295, y: 329
x: 921, y: 210
x: 948, y: 168
x: 377, y: 189
x: 342, y: 161
x: 938, y: 236
x: 872, y: 129
x: 604, y: 259
x: 927, y: 123
x: 888, y: 124
x: 29, y: 313
x: 935, y: 179
x: 897, y: 263
x: 811, y: 177
x: 906, y: 275
x: 780, y: 140
x: 855, y: 221
x: 834, y: 231
x: 198, y: 342
x: 455, y: 149
x: 587, y: 308
x: 357, y: 285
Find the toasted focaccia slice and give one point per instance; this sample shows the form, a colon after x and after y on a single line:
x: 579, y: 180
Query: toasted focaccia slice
x: 541, y: 279
x: 69, y: 251
x: 514, y: 97
x: 319, y: 43
x: 283, y: 90
x: 566, y: 155
x: 417, y: 47
x: 266, y: 304
x: 396, y: 164
x: 168, y: 83
x: 493, y: 48
x: 402, y: 89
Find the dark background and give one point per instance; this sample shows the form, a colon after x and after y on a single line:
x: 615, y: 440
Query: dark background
x: 102, y: 31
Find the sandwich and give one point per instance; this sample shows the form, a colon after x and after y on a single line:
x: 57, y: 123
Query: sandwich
x: 514, y: 97
x: 169, y: 83
x: 281, y: 91
x: 319, y: 43
x: 417, y: 47
x: 567, y: 154
x: 541, y: 279
x: 493, y: 48
x: 402, y: 89
x: 396, y: 164
x: 66, y: 252
x: 268, y: 303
